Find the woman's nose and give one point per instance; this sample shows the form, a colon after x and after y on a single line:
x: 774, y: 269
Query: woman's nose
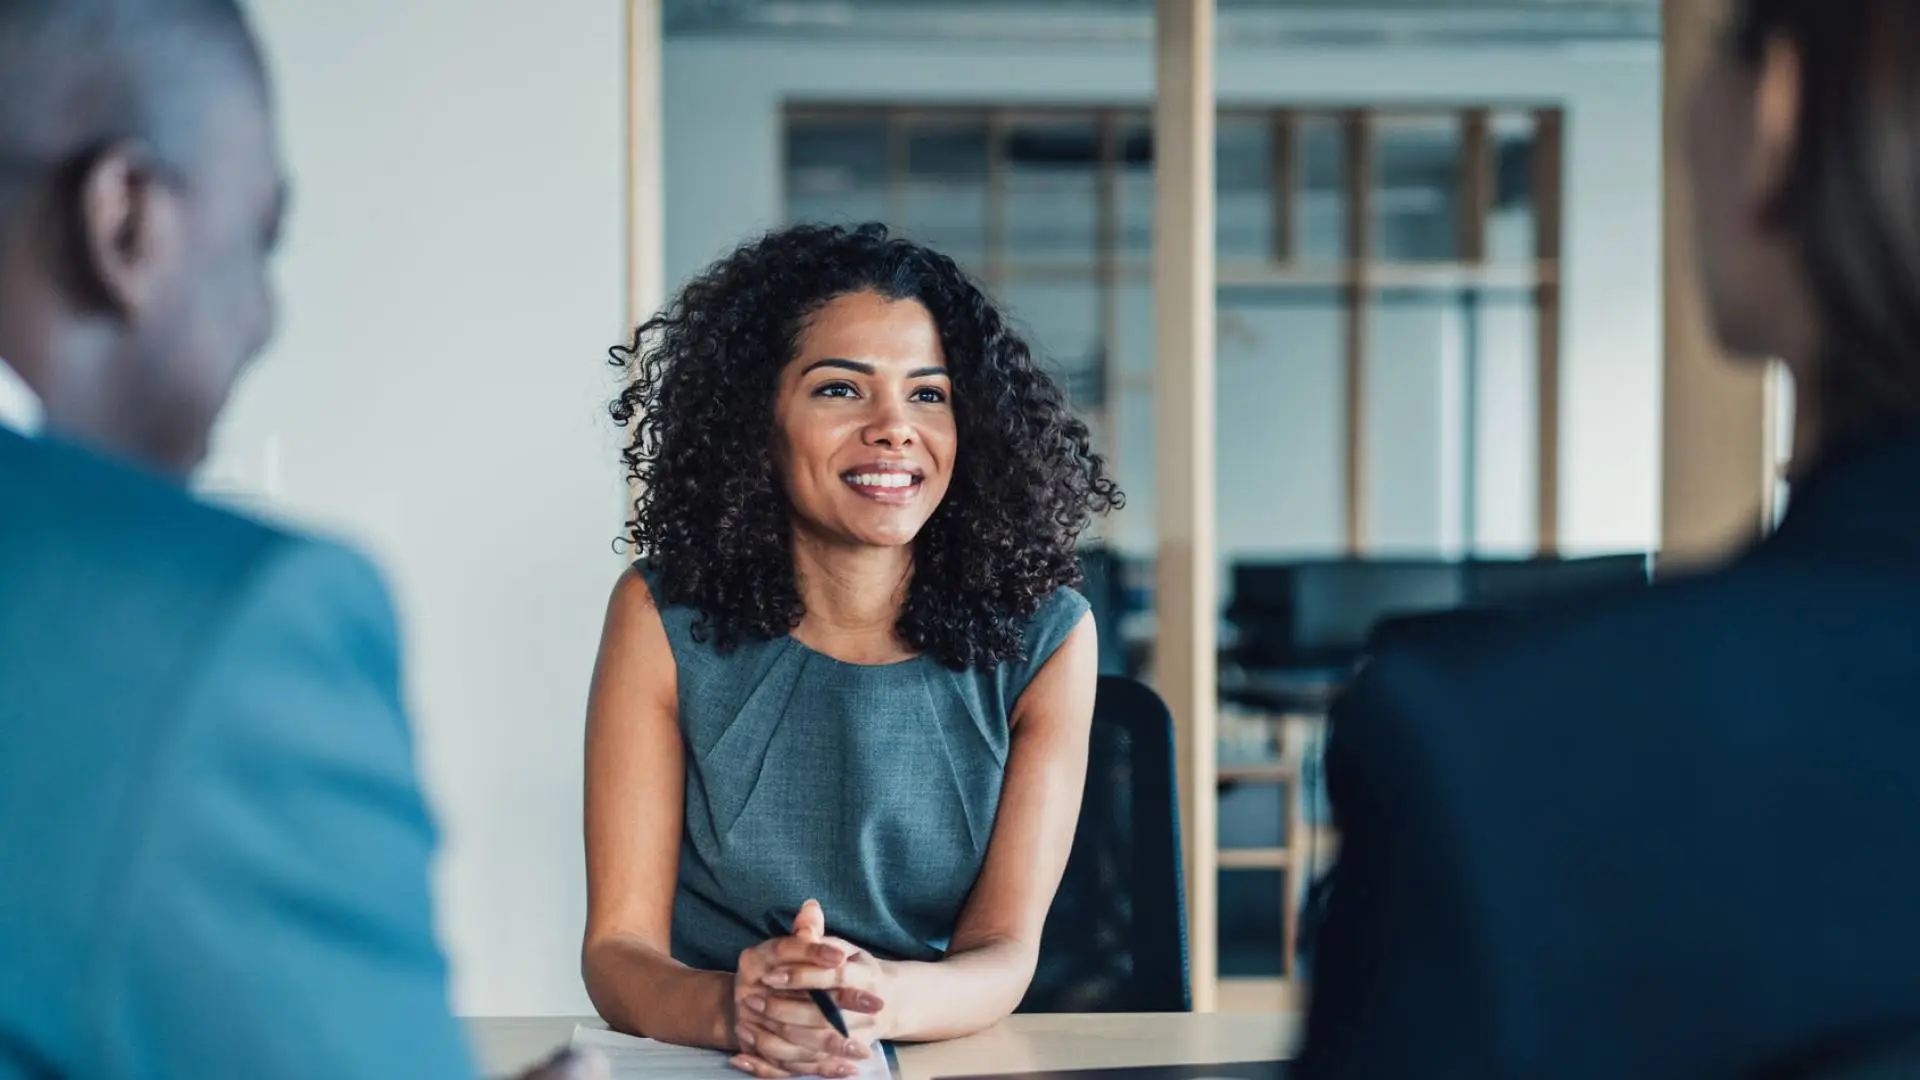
x: 889, y: 427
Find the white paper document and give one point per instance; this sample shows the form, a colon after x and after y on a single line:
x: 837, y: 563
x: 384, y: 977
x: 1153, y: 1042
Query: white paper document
x: 645, y: 1059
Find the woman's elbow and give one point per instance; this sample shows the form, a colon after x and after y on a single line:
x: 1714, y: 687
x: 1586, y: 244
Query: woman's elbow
x: 613, y: 967
x: 594, y: 964
x: 1015, y: 960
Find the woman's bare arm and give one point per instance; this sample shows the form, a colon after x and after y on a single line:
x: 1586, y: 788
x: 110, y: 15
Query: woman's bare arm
x: 635, y: 784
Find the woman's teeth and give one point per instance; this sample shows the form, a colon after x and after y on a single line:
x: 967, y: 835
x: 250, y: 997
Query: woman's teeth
x: 882, y: 480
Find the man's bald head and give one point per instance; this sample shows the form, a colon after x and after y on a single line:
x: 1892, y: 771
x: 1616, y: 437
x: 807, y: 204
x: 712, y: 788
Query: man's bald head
x: 140, y: 195
x: 76, y: 75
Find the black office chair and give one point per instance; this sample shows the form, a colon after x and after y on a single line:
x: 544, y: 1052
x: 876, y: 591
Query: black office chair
x: 1103, y: 585
x: 1116, y: 936
x: 1523, y: 584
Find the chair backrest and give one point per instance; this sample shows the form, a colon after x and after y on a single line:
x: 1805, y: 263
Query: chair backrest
x: 1116, y: 936
x: 1525, y: 583
x: 1320, y: 613
x: 1103, y: 584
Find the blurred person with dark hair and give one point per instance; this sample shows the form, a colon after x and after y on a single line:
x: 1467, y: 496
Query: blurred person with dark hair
x: 213, y: 851
x: 1668, y: 833
x: 839, y: 727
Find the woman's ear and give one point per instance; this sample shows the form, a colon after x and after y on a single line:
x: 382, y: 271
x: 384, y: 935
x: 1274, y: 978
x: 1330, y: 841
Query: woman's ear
x: 1776, y: 126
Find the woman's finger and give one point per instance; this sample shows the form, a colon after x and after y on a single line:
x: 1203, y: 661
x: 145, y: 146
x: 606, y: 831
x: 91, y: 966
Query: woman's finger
x: 781, y: 1013
x: 783, y: 1053
x: 753, y: 1066
x: 859, y: 1001
x: 797, y: 948
x: 797, y: 1010
x: 811, y: 923
x: 752, y: 975
x: 793, y: 950
x: 762, y: 958
x: 815, y: 977
x: 819, y: 1039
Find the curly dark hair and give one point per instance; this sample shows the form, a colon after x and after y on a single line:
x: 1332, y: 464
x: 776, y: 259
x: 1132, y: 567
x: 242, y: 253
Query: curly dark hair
x: 711, y: 516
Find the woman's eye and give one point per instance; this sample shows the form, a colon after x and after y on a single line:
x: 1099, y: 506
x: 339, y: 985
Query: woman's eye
x: 930, y: 395
x: 834, y: 389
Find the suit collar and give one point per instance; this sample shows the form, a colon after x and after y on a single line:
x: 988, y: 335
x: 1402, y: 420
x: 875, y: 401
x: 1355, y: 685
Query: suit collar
x: 1865, y: 496
x: 21, y: 411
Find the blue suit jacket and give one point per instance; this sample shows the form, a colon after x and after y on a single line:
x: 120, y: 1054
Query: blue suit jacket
x: 1664, y: 834
x: 213, y: 852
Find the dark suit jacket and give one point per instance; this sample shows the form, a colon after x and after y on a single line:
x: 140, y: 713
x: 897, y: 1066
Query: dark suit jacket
x: 1670, y: 833
x: 213, y: 854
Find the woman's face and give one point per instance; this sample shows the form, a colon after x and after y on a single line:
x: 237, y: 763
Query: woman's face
x: 864, y: 426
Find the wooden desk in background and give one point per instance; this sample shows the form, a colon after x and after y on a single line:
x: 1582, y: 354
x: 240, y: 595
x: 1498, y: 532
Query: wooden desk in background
x: 1020, y: 1044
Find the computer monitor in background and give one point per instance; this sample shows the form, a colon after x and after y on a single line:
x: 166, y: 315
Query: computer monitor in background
x: 1323, y: 613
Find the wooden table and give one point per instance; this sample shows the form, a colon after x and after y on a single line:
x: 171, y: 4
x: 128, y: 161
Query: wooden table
x: 1019, y: 1044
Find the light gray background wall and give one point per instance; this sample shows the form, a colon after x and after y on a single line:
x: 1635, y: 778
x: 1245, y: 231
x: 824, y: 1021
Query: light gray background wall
x: 451, y: 282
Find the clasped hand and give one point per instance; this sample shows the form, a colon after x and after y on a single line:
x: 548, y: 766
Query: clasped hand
x: 780, y: 1031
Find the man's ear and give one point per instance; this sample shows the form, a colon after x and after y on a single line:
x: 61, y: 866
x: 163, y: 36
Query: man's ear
x: 129, y: 226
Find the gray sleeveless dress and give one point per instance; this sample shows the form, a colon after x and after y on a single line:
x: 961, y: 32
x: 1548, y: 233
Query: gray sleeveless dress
x: 869, y: 788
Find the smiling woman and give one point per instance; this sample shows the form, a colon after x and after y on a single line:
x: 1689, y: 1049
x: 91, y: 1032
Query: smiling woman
x: 838, y: 730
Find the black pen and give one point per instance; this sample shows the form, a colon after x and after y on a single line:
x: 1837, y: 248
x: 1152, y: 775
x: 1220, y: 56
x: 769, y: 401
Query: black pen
x: 828, y: 1007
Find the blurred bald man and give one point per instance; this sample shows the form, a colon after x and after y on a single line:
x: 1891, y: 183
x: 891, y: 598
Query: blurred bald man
x: 213, y: 851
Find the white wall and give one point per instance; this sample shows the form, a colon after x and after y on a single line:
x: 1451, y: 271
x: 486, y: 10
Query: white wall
x: 724, y: 181
x: 452, y: 280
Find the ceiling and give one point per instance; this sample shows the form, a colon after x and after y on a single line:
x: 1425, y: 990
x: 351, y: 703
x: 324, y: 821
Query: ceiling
x: 1246, y: 22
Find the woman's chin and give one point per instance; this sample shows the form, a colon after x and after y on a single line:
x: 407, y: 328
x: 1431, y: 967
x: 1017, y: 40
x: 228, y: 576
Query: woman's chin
x: 888, y: 539
x: 862, y: 533
x: 884, y: 534
x: 873, y: 526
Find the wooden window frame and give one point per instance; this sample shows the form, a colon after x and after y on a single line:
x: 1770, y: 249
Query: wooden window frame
x: 1360, y: 274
